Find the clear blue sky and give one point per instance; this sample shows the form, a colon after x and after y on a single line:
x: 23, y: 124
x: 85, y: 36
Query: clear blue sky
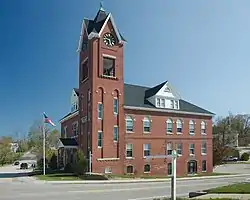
x: 201, y: 47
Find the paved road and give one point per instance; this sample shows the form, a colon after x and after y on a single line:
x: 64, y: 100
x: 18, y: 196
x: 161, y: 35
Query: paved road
x: 11, y: 190
x: 233, y: 168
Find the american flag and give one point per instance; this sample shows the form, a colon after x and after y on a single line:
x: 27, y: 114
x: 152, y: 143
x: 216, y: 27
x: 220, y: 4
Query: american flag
x: 47, y: 120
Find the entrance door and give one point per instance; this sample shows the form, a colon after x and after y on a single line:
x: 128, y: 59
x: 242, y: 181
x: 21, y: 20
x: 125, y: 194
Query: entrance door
x: 192, y: 167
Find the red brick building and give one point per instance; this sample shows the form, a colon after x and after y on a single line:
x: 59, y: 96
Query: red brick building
x: 122, y: 124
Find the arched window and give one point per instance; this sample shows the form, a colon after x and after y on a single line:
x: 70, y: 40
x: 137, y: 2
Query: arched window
x: 146, y: 125
x: 191, y: 127
x: 147, y: 168
x: 129, y: 124
x: 169, y: 124
x: 179, y: 126
x: 130, y: 169
x: 192, y: 167
x: 203, y: 127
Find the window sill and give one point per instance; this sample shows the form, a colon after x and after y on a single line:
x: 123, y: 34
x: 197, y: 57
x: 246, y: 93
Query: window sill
x: 203, y: 133
x: 204, y: 171
x: 129, y: 131
x: 179, y: 133
x: 203, y: 154
x: 109, y: 77
x: 130, y: 158
x: 170, y: 133
x: 99, y: 147
x: 192, y: 155
x: 191, y: 134
x: 99, y: 118
x: 146, y: 172
x: 145, y: 132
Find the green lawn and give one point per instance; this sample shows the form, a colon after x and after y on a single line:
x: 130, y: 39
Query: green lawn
x: 72, y: 177
x: 239, y: 188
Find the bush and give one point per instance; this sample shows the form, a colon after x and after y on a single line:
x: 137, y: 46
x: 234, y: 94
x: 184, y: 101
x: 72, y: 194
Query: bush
x: 244, y: 157
x: 81, y: 163
x: 53, y: 162
x: 40, y: 163
x: 68, y: 168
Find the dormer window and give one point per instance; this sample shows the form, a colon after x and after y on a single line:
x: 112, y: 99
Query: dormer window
x: 158, y: 102
x: 176, y: 105
x: 167, y: 89
x: 74, y: 107
x: 163, y: 103
x: 172, y: 104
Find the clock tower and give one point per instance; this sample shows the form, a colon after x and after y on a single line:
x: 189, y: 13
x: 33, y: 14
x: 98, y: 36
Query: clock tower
x: 101, y: 92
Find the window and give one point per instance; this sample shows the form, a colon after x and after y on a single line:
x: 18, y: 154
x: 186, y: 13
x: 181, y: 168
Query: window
x: 129, y: 124
x: 179, y: 126
x: 169, y: 168
x: 191, y: 149
x: 192, y: 167
x: 115, y: 133
x: 167, y: 89
x: 191, y: 127
x: 108, y: 170
x: 109, y: 67
x: 146, y: 168
x: 99, y: 142
x: 163, y: 103
x: 100, y: 110
x: 130, y: 169
x: 204, y: 148
x: 172, y: 104
x: 129, y: 150
x: 85, y: 70
x: 146, y: 148
x: 65, y: 132
x: 169, y: 148
x: 169, y: 126
x: 146, y: 124
x: 158, y: 102
x: 75, y: 128
x: 88, y: 112
x: 203, y: 127
x: 176, y: 104
x: 115, y: 106
x: 204, y: 165
x: 74, y: 107
x: 179, y: 148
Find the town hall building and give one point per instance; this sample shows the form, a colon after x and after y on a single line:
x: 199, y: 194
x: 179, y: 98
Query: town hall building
x: 123, y: 124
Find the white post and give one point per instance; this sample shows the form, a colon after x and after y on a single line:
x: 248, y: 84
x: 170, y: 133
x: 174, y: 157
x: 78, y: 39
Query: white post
x: 90, y: 162
x: 44, y: 154
x: 237, y: 140
x: 173, y: 179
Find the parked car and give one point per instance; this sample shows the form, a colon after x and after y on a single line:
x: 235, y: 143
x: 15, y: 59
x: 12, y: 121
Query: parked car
x: 16, y: 163
x: 24, y: 166
x: 231, y: 159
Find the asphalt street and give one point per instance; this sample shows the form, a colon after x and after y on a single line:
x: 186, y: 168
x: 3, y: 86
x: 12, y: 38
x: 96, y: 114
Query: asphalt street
x: 14, y: 189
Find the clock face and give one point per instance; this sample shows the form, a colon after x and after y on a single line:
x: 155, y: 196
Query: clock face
x: 109, y: 39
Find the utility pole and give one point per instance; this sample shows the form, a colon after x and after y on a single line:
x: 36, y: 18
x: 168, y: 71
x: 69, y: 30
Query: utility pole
x: 173, y: 178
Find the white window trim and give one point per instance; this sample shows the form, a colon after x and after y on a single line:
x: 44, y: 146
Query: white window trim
x: 202, y: 166
x: 75, y: 124
x: 181, y: 149
x: 65, y: 131
x: 191, y: 154
x: 205, y: 124
x: 191, y: 122
x: 132, y: 151
x: 146, y: 149
x: 108, y: 56
x: 127, y: 168
x: 147, y: 119
x: 203, y: 148
x: 129, y: 118
x: 172, y: 122
x: 179, y: 121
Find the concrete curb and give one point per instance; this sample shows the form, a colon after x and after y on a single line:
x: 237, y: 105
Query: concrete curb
x: 141, y: 180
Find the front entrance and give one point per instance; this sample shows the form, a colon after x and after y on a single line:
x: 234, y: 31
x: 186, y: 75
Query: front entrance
x: 192, y: 167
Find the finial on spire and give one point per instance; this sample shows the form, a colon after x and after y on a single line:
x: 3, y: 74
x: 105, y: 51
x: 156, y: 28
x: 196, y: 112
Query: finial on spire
x: 101, y: 6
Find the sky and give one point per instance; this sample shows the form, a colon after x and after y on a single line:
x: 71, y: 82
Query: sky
x: 201, y: 47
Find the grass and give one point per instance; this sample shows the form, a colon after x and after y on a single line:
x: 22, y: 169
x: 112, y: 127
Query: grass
x: 72, y: 177
x: 239, y: 188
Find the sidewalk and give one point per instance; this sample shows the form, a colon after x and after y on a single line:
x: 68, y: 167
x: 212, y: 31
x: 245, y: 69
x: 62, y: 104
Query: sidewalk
x: 139, y: 180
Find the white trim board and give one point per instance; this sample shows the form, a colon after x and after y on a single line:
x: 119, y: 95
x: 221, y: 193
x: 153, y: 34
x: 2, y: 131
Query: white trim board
x: 69, y: 117
x: 167, y: 111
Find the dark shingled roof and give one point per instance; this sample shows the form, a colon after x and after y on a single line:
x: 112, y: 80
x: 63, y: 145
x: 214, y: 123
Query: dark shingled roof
x: 96, y: 24
x: 69, y: 141
x: 76, y: 91
x: 135, y: 95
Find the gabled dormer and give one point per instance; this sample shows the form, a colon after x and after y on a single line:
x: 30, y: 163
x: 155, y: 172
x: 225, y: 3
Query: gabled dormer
x: 163, y: 96
x: 74, y: 100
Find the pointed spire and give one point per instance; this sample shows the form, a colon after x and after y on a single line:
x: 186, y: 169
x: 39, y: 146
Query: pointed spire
x: 101, y: 6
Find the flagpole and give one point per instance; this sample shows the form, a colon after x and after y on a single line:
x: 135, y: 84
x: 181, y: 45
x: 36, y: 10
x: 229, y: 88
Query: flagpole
x: 44, y: 159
